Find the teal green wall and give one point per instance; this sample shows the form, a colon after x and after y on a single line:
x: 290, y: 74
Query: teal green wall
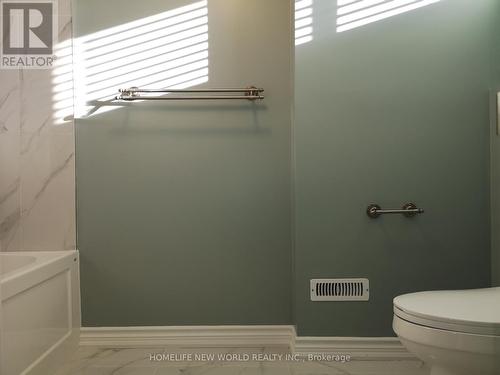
x: 184, y: 208
x: 495, y: 150
x: 184, y: 211
x: 391, y: 112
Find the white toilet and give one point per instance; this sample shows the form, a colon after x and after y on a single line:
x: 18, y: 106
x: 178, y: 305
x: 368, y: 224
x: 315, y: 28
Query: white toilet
x: 453, y: 332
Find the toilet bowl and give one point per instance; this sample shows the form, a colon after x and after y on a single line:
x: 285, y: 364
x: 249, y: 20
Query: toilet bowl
x: 453, y: 332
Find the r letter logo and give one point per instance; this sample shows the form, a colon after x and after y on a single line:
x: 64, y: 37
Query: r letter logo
x: 27, y: 34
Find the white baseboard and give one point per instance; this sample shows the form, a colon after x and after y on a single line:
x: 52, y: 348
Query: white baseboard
x: 189, y: 336
x: 373, y: 348
x: 378, y: 348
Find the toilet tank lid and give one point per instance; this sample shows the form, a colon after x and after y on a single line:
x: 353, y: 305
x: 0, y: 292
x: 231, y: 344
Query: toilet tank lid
x: 462, y: 308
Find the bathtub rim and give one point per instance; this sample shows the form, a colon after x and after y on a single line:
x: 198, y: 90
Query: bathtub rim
x: 31, y: 259
x: 47, y: 264
x: 42, y: 258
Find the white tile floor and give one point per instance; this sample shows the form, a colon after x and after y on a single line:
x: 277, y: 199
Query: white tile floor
x: 115, y: 361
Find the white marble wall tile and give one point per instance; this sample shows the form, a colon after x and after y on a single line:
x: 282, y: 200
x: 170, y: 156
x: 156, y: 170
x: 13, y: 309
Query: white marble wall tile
x: 47, y: 169
x: 10, y: 209
x: 37, y: 152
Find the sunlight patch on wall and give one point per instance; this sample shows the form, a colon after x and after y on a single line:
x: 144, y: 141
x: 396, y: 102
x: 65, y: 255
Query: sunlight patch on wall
x: 62, y: 83
x: 356, y: 13
x: 167, y: 50
x: 303, y: 21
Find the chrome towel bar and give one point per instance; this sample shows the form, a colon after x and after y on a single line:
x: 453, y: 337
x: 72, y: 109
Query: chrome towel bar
x: 408, y: 210
x: 135, y: 93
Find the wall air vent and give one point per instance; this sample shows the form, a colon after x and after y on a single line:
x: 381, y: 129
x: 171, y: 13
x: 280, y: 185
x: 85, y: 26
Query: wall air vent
x: 340, y: 290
